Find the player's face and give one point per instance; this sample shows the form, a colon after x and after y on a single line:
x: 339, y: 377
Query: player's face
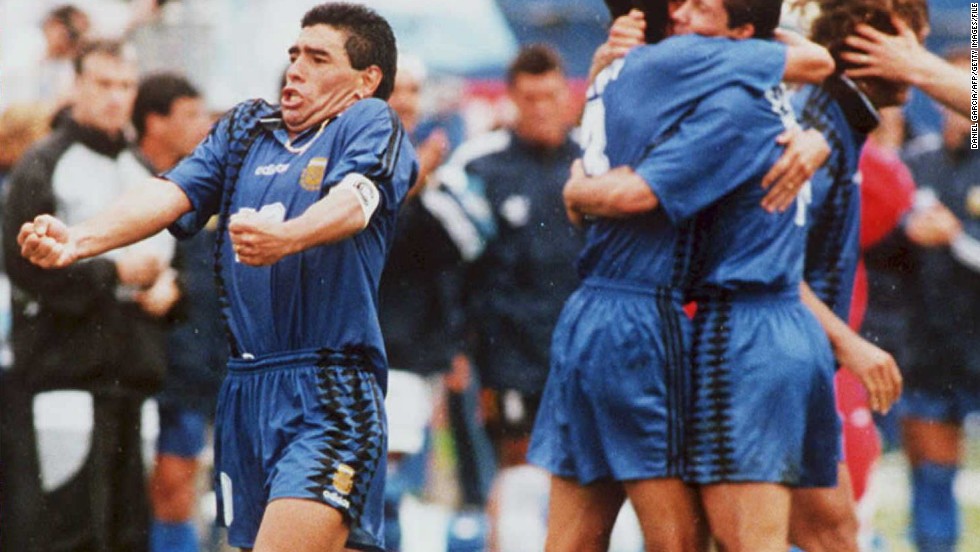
x: 320, y: 81
x: 186, y: 125
x: 703, y: 17
x: 541, y: 102
x: 405, y: 98
x: 104, y: 93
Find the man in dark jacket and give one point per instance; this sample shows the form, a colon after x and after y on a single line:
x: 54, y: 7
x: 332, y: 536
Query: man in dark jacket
x: 83, y: 328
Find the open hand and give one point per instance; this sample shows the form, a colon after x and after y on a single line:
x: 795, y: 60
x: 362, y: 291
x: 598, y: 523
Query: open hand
x: 806, y: 151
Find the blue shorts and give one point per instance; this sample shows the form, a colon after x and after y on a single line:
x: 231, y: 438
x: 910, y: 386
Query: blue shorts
x: 613, y: 405
x: 301, y: 425
x: 951, y: 405
x: 763, y: 408
x: 182, y: 430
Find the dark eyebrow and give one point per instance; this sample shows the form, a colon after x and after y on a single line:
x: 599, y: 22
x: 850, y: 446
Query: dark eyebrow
x: 295, y: 50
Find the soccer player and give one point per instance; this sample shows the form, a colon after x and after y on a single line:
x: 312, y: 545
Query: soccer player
x: 845, y: 111
x: 306, y: 195
x: 612, y: 416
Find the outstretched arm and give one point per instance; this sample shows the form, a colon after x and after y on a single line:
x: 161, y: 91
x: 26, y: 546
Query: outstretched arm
x: 902, y: 58
x: 138, y: 214
x: 875, y: 368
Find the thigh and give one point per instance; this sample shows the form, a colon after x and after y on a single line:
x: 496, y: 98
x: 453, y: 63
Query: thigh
x: 749, y: 517
x: 825, y: 518
x: 669, y: 514
x: 581, y: 517
x: 294, y: 525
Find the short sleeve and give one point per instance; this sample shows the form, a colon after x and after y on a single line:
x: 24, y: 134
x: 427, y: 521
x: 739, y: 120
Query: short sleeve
x: 374, y: 145
x: 697, y: 162
x: 201, y: 177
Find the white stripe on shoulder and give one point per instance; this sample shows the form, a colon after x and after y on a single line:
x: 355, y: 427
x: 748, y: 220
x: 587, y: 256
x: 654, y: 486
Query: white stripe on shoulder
x: 455, y: 221
x: 479, y: 146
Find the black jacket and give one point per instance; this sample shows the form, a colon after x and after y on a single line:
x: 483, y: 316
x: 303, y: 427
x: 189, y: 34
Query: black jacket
x: 69, y: 328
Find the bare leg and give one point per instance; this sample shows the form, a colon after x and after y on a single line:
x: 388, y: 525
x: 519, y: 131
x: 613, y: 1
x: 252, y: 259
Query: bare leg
x: 825, y: 520
x: 669, y: 515
x: 748, y: 517
x: 295, y: 525
x: 581, y: 517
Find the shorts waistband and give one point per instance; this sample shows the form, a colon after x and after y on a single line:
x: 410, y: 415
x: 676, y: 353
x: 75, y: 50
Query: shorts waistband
x: 780, y: 295
x: 633, y: 287
x: 301, y: 357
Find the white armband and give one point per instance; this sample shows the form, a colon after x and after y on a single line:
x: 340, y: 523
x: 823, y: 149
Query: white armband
x: 364, y: 190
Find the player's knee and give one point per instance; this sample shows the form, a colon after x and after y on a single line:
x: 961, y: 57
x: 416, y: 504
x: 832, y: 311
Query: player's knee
x: 172, y: 489
x: 748, y: 537
x: 839, y: 534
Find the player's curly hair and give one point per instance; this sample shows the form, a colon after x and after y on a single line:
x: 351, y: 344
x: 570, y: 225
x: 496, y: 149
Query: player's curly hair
x: 839, y: 18
x: 370, y: 40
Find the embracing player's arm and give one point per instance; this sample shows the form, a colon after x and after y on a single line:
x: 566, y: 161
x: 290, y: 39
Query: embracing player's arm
x: 139, y: 213
x: 342, y: 213
x: 806, y: 62
x: 875, y: 368
x: 618, y: 193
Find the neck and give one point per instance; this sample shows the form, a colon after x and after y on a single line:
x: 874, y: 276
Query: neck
x: 158, y: 154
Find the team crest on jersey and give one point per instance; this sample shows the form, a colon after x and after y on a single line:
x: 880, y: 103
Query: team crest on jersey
x: 973, y: 201
x: 343, y: 479
x: 313, y: 174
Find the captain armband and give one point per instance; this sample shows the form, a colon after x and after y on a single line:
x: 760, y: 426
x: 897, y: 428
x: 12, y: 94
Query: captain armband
x: 366, y: 192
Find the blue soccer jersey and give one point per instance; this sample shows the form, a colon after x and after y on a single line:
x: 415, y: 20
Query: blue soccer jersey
x: 756, y: 348
x: 617, y: 397
x: 834, y: 223
x: 633, y: 118
x: 324, y: 298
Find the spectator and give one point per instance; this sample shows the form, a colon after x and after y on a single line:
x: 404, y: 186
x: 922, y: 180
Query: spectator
x: 21, y: 126
x: 49, y: 80
x: 85, y: 328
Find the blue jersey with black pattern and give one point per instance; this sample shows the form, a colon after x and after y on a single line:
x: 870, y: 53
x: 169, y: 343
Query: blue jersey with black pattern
x: 834, y: 224
x: 653, y: 111
x: 740, y: 246
x: 323, y: 298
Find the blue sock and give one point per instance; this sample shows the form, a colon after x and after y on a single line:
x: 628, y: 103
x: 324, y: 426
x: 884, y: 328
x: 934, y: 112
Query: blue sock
x: 935, y: 515
x: 173, y: 537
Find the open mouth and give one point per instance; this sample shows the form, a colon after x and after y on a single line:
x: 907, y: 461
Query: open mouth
x: 291, y: 98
